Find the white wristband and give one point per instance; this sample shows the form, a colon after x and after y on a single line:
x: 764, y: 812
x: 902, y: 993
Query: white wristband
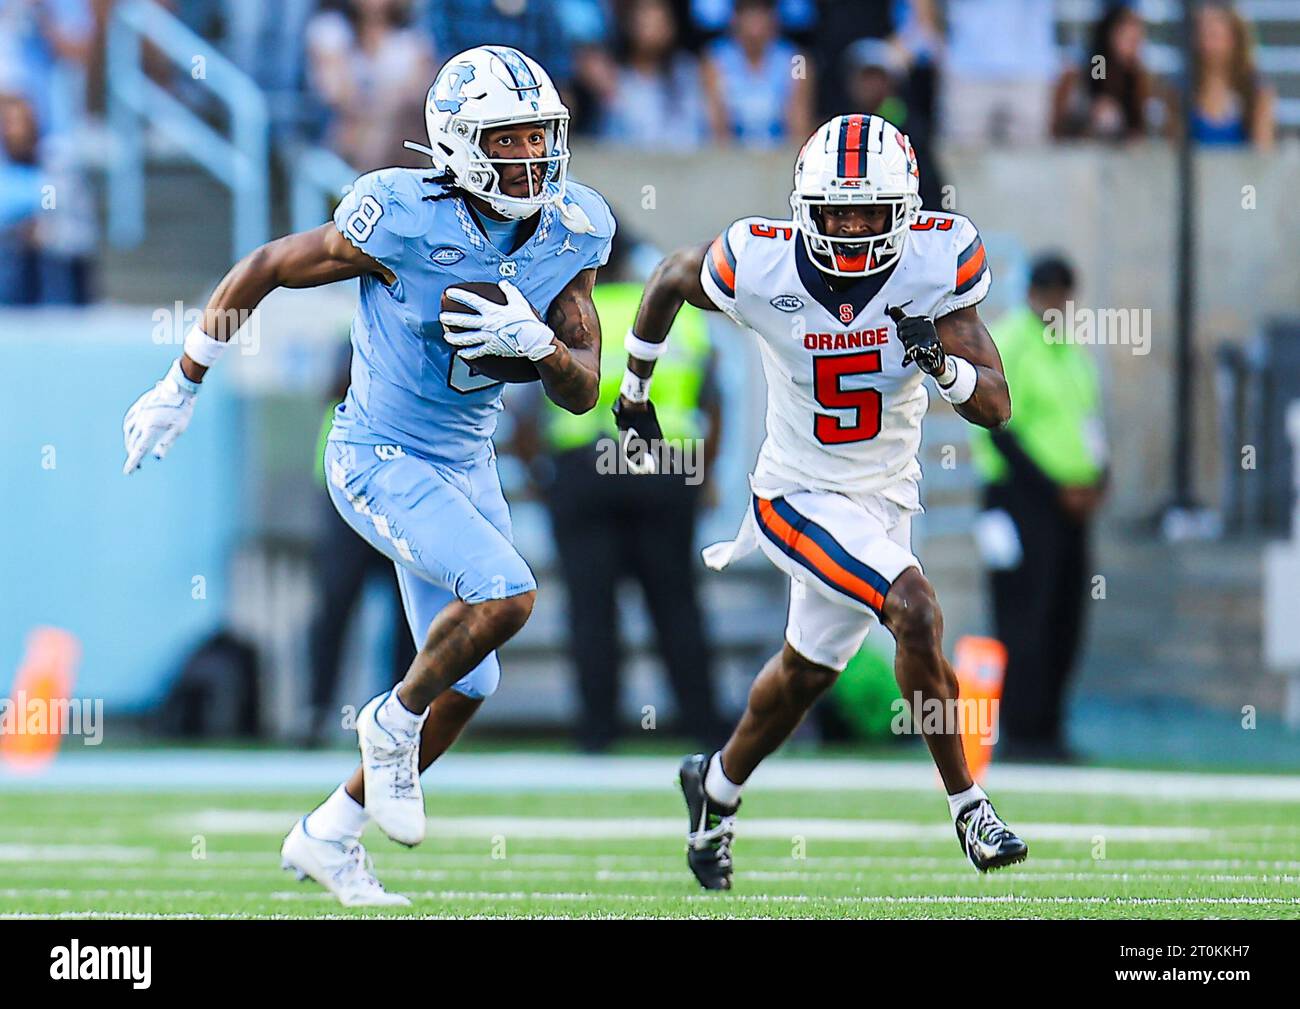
x: 202, y: 349
x: 643, y: 350
x: 177, y: 374
x: 635, y: 388
x: 957, y: 383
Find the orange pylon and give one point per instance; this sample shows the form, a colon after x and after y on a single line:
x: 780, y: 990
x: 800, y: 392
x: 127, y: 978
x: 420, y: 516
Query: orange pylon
x: 33, y: 728
x: 980, y: 664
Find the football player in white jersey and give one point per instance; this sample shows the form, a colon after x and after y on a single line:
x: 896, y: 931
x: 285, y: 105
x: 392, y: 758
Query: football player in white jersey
x: 855, y: 301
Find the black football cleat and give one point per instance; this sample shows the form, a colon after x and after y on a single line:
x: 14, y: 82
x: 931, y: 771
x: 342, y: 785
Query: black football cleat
x: 988, y: 842
x: 711, y: 828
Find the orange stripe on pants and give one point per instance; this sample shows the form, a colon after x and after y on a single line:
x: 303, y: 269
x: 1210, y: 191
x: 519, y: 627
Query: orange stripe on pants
x: 816, y: 557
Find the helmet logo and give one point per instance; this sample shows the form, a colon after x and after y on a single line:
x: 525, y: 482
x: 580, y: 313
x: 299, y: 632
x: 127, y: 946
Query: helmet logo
x: 450, y: 83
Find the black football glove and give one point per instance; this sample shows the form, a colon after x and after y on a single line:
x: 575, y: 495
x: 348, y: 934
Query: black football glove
x: 920, y: 341
x: 639, y: 434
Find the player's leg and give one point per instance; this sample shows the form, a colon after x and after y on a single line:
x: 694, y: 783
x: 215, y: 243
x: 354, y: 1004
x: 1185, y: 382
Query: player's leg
x: 784, y: 691
x: 829, y: 617
x: 912, y: 614
x: 448, y: 527
x: 451, y: 710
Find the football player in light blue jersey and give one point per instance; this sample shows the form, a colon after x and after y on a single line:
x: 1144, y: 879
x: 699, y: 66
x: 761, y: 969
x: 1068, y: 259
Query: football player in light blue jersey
x: 410, y: 460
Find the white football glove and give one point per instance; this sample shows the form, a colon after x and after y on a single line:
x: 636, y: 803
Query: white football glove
x: 509, y: 330
x: 158, y: 418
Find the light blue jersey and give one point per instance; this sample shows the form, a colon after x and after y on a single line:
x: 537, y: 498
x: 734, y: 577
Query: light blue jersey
x: 409, y: 387
x: 410, y: 461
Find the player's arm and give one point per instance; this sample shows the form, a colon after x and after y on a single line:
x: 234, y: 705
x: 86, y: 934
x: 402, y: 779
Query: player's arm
x: 965, y: 338
x: 571, y: 375
x: 307, y: 259
x: 675, y: 281
x: 959, y: 354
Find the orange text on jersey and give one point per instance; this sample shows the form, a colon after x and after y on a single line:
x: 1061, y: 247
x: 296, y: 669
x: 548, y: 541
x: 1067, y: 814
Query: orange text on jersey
x: 846, y: 341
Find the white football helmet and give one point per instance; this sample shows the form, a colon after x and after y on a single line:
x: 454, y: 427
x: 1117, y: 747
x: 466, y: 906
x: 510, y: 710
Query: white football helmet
x: 855, y: 160
x: 487, y: 87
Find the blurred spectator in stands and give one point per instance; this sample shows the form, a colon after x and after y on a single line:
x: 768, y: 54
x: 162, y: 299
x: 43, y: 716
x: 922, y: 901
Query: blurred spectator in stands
x: 547, y: 30
x: 710, y: 18
x: 345, y: 565
x: 265, y: 40
x: 1044, y: 476
x: 1111, y: 95
x: 372, y: 70
x: 999, y: 71
x: 1232, y: 105
x: 873, y: 73
x: 44, y: 48
x: 757, y: 84
x: 841, y: 23
x: 47, y: 224
x: 611, y: 526
x: 652, y: 94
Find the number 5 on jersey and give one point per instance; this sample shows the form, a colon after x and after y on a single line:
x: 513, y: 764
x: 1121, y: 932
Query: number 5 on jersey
x: 828, y: 375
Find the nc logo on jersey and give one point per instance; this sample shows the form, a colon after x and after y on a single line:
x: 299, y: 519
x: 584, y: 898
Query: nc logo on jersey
x: 389, y: 452
x: 508, y: 268
x: 787, y: 303
x: 447, y: 255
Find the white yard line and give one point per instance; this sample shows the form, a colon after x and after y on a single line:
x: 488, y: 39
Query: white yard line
x: 493, y: 896
x: 27, y: 853
x: 254, y: 821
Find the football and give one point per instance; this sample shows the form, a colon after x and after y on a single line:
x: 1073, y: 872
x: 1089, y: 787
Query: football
x: 502, y: 369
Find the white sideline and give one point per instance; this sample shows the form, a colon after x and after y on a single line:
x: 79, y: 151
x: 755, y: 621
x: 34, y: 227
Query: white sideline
x: 276, y: 770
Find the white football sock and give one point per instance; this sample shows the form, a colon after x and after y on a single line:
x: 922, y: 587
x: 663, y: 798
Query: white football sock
x: 338, y: 818
x: 958, y: 802
x: 393, y: 714
x: 717, y: 786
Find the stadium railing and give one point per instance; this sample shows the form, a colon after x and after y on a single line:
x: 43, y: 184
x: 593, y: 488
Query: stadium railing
x: 240, y: 162
x: 317, y: 178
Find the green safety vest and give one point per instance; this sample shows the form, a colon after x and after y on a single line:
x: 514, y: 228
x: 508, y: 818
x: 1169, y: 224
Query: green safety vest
x: 322, y: 438
x: 678, y: 378
x: 1055, y: 405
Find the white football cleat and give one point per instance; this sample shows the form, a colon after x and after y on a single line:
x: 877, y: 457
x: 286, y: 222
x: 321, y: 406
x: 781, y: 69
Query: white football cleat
x: 391, y: 771
x: 342, y: 868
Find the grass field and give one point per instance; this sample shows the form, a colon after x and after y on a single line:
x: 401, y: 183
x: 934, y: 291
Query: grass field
x: 824, y: 853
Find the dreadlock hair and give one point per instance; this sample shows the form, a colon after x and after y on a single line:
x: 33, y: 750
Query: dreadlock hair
x: 447, y: 180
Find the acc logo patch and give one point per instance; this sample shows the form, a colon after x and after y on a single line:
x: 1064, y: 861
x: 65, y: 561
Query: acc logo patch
x: 447, y: 255
x: 787, y: 303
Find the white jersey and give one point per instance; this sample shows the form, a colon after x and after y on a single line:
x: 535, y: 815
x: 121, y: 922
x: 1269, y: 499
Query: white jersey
x: 843, y: 412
